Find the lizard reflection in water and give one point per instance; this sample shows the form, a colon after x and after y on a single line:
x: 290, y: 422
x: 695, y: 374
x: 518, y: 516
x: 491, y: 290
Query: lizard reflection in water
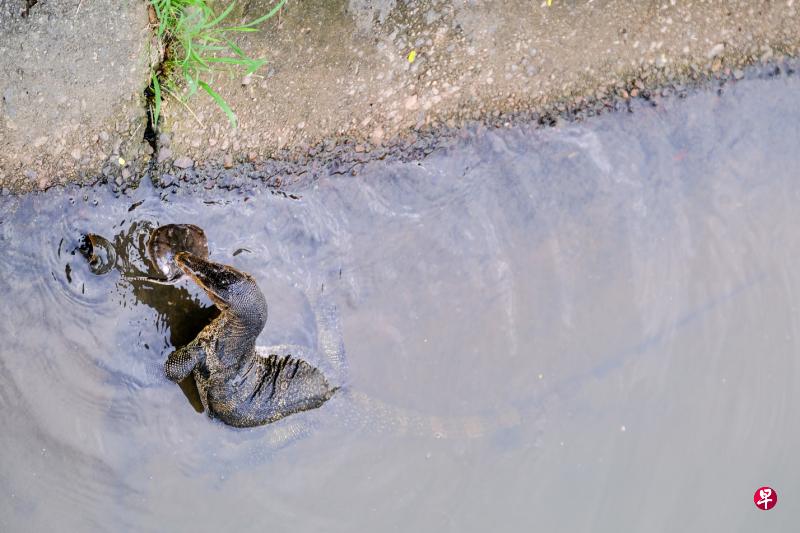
x: 239, y: 383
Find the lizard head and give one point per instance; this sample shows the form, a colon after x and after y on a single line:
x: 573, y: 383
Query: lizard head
x: 230, y: 289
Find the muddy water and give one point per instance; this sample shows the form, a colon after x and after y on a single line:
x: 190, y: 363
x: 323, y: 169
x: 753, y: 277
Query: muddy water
x: 597, y: 325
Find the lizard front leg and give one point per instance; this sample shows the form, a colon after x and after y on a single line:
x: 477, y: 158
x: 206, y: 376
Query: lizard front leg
x: 182, y: 361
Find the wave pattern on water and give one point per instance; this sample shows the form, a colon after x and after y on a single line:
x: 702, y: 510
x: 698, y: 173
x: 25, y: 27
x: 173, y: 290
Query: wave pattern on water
x: 593, y: 306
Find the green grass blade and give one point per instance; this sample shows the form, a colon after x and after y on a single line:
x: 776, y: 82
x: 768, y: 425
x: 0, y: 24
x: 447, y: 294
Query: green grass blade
x: 222, y: 16
x: 231, y: 61
x: 236, y: 49
x: 240, y: 29
x: 156, y: 101
x: 220, y: 102
x: 256, y: 64
x: 268, y: 16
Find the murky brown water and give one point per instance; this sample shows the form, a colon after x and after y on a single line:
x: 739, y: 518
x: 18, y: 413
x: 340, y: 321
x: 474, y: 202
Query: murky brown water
x: 609, y: 309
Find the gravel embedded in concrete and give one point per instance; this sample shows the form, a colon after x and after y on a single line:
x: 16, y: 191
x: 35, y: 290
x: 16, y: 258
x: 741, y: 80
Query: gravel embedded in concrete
x: 71, y: 81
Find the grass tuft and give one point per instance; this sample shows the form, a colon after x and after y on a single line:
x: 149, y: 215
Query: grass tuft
x: 197, y: 45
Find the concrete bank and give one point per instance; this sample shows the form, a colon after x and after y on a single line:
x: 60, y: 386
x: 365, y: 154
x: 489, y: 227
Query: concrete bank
x: 362, y: 74
x: 341, y: 71
x: 72, y: 74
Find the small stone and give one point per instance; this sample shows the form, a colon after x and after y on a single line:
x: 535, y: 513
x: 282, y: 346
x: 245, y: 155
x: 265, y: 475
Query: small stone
x: 247, y: 80
x: 104, y: 136
x: 40, y: 141
x: 118, y: 181
x: 252, y: 156
x: 360, y: 148
x: 126, y: 173
x: 377, y: 135
x: 164, y: 140
x: 738, y: 74
x: 634, y: 93
x: 163, y: 155
x: 716, y: 65
x: 148, y: 150
x: 228, y: 161
x: 715, y: 50
x: 76, y: 154
x: 412, y: 102
x: 196, y: 142
x: 183, y: 162
x: 43, y: 183
x: 31, y: 174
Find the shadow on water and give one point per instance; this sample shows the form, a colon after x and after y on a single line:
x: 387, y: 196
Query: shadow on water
x: 629, y: 282
x: 176, y: 308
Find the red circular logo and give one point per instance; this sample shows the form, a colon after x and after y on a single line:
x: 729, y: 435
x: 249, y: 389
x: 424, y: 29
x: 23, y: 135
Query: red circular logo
x: 765, y: 498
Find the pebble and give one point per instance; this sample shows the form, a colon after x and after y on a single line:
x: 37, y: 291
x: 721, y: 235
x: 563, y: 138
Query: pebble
x: 76, y: 154
x: 715, y: 50
x: 738, y: 74
x: 228, y: 161
x: 412, y: 102
x: 164, y: 140
x: 163, y: 155
x: 183, y: 162
x: 377, y: 135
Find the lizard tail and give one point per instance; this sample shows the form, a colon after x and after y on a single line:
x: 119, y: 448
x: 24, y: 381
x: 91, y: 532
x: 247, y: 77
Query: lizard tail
x: 375, y: 415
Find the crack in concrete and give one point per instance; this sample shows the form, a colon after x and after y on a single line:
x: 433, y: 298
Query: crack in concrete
x: 28, y: 5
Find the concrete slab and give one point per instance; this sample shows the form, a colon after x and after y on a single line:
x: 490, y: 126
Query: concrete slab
x: 341, y: 70
x: 72, y: 73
